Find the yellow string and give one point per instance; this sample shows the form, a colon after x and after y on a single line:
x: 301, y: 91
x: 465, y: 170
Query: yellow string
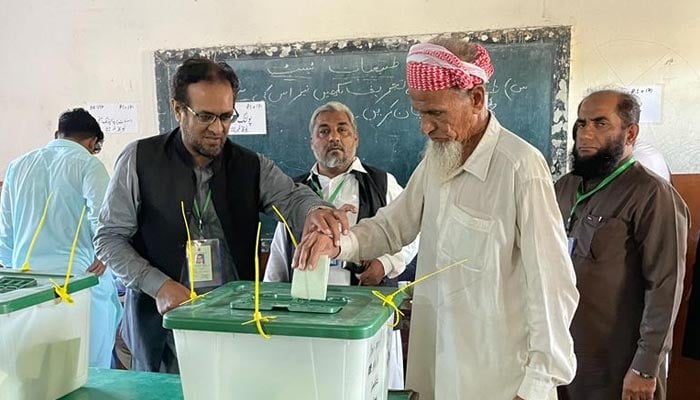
x: 389, y: 299
x: 190, y: 253
x: 199, y: 296
x: 62, y: 291
x: 286, y: 225
x: 257, y: 316
x: 25, y: 266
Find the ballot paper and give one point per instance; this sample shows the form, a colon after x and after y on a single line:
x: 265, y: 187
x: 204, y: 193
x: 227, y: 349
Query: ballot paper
x: 312, y: 284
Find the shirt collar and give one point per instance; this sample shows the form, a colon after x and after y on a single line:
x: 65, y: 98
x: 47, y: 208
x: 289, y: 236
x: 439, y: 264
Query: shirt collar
x: 355, y: 166
x: 479, y: 161
x: 67, y: 143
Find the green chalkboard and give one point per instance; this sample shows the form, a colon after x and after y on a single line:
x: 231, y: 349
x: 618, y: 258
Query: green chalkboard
x: 527, y: 93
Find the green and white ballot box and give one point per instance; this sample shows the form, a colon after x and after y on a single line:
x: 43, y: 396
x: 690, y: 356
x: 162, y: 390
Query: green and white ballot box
x: 317, y: 350
x: 44, y: 341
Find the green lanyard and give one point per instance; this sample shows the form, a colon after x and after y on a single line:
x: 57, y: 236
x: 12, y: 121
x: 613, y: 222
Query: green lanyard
x: 200, y: 214
x: 333, y: 195
x: 581, y: 196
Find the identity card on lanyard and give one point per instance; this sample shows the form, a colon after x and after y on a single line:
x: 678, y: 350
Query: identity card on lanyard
x: 206, y: 253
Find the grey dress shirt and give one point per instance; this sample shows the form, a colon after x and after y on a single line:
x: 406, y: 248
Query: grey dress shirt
x: 118, y: 220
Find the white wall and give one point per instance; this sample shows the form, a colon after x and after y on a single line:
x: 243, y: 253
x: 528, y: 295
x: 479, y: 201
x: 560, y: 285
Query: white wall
x: 59, y: 54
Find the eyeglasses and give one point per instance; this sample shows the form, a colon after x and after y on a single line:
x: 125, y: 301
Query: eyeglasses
x: 98, y: 147
x: 209, y: 118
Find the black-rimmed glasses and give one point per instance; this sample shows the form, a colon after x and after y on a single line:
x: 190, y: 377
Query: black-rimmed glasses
x: 209, y: 118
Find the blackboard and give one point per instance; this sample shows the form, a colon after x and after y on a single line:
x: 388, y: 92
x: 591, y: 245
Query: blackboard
x: 528, y: 93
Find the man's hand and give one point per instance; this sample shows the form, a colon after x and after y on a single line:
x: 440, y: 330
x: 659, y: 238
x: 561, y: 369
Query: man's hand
x: 311, y: 248
x: 634, y: 387
x: 326, y: 220
x: 97, y: 267
x: 171, y: 295
x: 373, y: 274
x: 348, y: 208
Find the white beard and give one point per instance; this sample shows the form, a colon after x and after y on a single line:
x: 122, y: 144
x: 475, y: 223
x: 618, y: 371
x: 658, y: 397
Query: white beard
x: 445, y: 157
x: 330, y: 161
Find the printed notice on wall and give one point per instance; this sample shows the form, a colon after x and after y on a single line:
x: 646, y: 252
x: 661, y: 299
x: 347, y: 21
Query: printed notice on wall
x: 251, y: 119
x: 650, y: 99
x: 115, y: 117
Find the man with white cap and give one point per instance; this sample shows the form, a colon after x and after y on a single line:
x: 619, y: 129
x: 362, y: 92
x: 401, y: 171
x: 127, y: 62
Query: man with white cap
x: 496, y: 326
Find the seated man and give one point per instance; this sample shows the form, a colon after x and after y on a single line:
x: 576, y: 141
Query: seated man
x: 340, y: 178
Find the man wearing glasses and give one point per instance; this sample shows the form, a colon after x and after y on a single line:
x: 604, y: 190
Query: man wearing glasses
x: 222, y: 186
x: 65, y: 175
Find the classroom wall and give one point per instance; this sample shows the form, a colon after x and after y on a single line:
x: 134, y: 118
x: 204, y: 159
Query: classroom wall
x: 58, y: 54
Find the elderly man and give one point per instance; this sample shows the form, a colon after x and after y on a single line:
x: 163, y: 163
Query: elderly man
x: 223, y: 186
x: 627, y: 228
x: 340, y: 178
x: 497, y: 325
x: 67, y: 170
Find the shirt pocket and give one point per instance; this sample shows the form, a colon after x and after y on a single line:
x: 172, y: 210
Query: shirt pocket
x: 600, y: 238
x: 467, y: 235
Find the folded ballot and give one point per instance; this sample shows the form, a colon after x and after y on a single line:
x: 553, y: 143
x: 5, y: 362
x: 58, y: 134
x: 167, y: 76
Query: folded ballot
x: 312, y: 284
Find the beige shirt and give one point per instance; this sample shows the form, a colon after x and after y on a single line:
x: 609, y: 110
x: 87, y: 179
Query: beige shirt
x: 498, y: 324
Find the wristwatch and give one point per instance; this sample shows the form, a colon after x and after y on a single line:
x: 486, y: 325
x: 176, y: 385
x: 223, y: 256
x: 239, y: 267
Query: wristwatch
x: 642, y: 374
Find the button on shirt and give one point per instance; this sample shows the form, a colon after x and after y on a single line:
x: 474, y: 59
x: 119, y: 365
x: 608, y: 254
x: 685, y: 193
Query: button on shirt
x: 496, y: 325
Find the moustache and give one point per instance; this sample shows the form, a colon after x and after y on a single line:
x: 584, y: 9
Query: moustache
x: 335, y: 147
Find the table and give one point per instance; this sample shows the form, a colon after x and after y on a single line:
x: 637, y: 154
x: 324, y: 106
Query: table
x: 116, y: 384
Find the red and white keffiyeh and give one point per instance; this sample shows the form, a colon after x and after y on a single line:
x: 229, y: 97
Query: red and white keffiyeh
x: 433, y: 67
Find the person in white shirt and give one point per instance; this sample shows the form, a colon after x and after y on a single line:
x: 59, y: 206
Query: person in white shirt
x: 651, y: 158
x: 340, y: 178
x: 497, y: 325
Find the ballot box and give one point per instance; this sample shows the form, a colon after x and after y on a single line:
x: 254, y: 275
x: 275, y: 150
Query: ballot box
x: 44, y: 341
x: 318, y: 350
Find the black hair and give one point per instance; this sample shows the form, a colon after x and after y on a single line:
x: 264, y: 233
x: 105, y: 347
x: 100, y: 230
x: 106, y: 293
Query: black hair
x: 79, y: 124
x: 197, y: 69
x: 628, y: 108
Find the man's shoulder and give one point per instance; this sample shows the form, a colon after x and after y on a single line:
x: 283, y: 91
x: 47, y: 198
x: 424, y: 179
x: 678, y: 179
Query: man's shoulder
x: 521, y: 156
x: 565, y: 187
x: 158, y: 139
x: 371, y: 169
x: 647, y: 181
x: 567, y: 180
x: 26, y: 157
x: 516, y: 147
x: 232, y: 148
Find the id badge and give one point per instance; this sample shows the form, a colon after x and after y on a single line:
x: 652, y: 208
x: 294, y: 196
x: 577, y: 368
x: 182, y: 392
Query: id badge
x: 206, y: 263
x: 572, y: 245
